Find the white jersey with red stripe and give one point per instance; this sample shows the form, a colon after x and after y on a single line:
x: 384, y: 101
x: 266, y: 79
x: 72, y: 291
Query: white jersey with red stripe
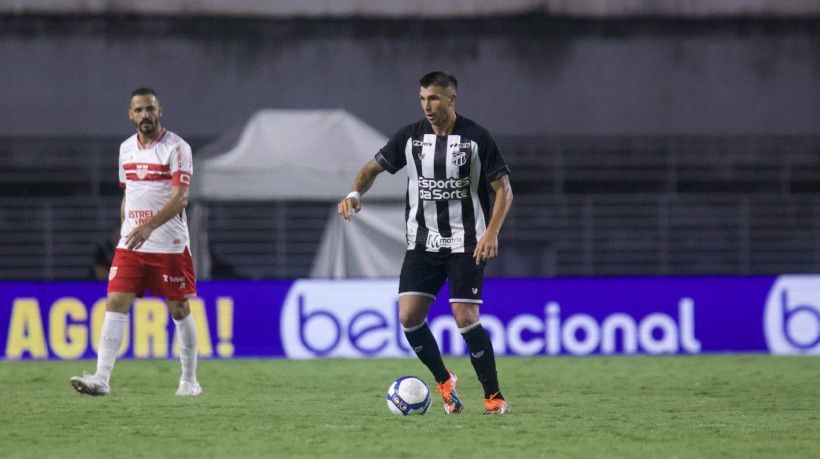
x: 148, y: 173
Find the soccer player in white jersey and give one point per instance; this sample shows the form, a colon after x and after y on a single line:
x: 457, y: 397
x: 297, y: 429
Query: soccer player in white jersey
x: 452, y: 163
x: 155, y: 168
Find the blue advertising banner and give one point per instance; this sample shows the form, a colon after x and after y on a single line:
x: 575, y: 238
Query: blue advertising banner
x: 62, y: 320
x: 306, y: 319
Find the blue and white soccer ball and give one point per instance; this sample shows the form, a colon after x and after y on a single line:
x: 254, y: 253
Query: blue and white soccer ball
x: 408, y: 395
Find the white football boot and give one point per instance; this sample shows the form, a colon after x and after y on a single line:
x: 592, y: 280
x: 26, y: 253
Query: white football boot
x: 189, y: 388
x: 90, y: 384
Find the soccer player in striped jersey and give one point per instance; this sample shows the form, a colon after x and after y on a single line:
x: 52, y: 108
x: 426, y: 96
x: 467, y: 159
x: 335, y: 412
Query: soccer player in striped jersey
x: 155, y: 168
x: 452, y: 164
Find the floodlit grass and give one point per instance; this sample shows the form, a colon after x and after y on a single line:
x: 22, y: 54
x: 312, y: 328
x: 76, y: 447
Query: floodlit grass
x: 677, y: 406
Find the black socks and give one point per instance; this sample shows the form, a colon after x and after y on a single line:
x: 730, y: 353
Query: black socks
x: 426, y: 348
x: 481, y: 356
x: 483, y: 359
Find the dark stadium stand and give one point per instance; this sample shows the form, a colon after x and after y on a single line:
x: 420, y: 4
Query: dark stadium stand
x: 604, y: 206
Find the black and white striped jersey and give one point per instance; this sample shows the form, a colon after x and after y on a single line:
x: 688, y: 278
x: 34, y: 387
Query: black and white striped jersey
x: 448, y: 177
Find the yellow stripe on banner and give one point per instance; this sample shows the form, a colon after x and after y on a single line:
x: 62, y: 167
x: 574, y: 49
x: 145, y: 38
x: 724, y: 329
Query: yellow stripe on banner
x: 224, y: 310
x: 150, y: 332
x: 26, y: 330
x: 68, y: 341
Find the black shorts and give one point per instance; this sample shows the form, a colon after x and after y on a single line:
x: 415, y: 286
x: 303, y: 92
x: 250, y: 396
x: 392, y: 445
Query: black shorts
x: 424, y: 273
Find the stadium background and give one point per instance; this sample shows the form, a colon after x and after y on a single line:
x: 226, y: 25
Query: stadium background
x: 646, y: 139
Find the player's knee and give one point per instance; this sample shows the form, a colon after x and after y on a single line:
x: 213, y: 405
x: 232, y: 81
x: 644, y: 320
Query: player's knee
x: 118, y: 302
x: 466, y: 314
x: 179, y: 309
x: 411, y: 319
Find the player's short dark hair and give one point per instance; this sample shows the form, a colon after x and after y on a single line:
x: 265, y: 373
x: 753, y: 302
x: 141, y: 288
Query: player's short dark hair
x: 441, y: 79
x: 144, y: 92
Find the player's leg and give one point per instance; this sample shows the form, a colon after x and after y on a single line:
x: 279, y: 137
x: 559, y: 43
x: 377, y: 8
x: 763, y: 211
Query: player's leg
x: 172, y: 276
x: 412, y: 315
x: 478, y: 343
x: 186, y: 333
x: 113, y: 331
x: 466, y: 283
x: 111, y: 336
x: 422, y: 276
x: 481, y: 355
x: 126, y: 280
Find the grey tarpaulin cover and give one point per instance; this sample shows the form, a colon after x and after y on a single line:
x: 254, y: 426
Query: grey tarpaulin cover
x: 293, y: 155
x: 372, y: 244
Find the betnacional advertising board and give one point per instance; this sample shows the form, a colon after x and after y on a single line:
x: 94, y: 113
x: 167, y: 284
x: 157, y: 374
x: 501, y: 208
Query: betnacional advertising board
x: 306, y: 319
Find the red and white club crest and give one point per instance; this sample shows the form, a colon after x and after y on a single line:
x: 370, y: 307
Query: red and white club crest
x: 142, y: 171
x: 112, y: 273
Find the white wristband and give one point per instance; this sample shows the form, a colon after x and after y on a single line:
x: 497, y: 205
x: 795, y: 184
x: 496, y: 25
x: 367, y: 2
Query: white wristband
x: 355, y: 195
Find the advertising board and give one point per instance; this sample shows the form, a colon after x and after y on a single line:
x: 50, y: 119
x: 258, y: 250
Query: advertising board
x: 306, y: 319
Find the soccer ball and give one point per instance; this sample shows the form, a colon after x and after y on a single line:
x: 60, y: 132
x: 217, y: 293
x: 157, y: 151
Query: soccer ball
x: 408, y: 395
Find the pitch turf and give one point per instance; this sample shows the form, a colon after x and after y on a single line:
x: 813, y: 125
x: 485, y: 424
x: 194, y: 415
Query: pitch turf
x: 677, y: 406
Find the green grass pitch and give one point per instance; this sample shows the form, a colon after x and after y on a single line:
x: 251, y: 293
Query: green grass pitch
x: 671, y: 406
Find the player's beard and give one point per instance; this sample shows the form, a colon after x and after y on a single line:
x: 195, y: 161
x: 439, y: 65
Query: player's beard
x: 147, y: 127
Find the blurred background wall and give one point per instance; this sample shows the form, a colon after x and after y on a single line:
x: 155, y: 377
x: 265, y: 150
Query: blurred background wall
x: 521, y: 74
x: 645, y: 137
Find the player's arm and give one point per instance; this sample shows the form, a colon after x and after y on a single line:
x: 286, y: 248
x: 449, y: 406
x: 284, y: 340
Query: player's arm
x: 122, y: 210
x: 363, y: 181
x: 174, y: 206
x: 487, y: 247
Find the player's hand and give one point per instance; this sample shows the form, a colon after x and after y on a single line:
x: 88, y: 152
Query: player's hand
x: 349, y: 206
x: 486, y: 249
x: 137, y: 237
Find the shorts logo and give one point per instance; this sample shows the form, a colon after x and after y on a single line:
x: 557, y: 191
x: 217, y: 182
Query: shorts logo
x: 172, y: 279
x: 434, y: 241
x: 112, y: 273
x: 175, y: 280
x: 142, y: 171
x: 791, y: 320
x: 459, y: 158
x: 475, y: 290
x: 477, y: 355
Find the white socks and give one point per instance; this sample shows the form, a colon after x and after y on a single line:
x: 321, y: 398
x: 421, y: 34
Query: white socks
x: 186, y: 337
x: 113, y: 331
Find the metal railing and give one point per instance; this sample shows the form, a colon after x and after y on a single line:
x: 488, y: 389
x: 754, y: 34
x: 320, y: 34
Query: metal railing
x: 603, y: 206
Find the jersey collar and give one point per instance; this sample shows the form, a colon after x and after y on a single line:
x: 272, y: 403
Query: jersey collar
x: 151, y: 144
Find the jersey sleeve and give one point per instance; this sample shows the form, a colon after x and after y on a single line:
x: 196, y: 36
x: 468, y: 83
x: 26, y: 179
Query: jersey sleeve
x: 182, y: 166
x: 495, y: 167
x: 121, y: 171
x: 391, y: 156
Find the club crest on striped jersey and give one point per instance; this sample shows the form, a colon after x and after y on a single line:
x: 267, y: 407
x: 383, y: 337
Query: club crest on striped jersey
x: 459, y: 158
x: 142, y: 171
